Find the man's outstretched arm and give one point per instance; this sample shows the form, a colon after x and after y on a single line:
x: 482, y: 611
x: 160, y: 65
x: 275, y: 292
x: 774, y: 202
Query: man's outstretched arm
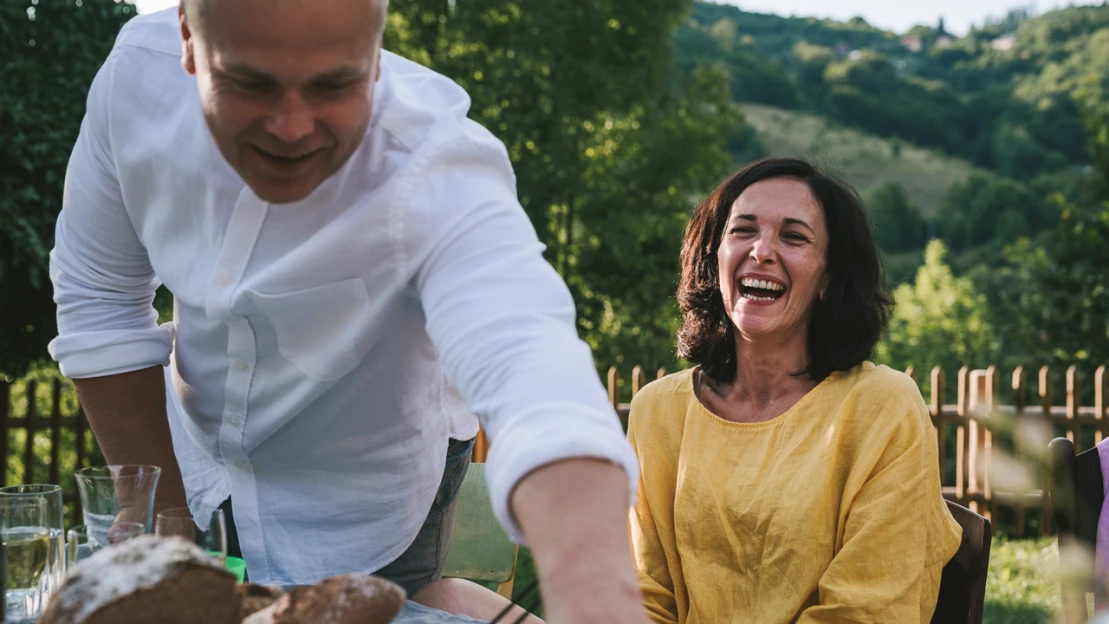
x: 127, y: 412
x: 574, y: 515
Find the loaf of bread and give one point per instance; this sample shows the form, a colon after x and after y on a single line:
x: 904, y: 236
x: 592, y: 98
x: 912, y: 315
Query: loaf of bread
x: 253, y: 598
x: 143, y: 580
x: 346, y: 599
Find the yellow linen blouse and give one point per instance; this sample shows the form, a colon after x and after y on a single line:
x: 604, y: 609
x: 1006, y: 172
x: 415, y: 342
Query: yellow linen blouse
x: 831, y: 512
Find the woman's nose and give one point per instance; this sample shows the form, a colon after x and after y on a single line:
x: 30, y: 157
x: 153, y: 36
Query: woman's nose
x: 763, y: 251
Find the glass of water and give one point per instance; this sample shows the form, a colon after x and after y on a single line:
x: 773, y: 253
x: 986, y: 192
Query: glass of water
x: 55, y: 522
x: 26, y: 542
x: 114, y: 494
x: 210, y: 534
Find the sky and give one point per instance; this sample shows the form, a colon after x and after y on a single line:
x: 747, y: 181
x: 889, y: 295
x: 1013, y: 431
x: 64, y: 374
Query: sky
x: 896, y: 15
x: 901, y: 15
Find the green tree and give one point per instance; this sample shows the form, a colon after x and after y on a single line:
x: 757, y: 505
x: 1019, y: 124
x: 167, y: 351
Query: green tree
x: 940, y: 320
x: 897, y: 221
x: 49, y: 52
x: 1071, y: 270
x: 988, y: 208
x: 610, y: 157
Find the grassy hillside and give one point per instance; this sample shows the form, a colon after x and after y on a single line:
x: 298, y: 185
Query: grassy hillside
x: 864, y: 160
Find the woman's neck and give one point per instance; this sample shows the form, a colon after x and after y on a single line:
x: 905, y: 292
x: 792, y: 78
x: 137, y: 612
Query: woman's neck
x: 766, y: 370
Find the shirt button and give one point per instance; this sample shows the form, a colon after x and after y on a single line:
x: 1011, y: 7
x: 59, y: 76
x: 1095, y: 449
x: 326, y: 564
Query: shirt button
x: 241, y: 464
x: 224, y: 279
x: 235, y: 422
x: 241, y: 365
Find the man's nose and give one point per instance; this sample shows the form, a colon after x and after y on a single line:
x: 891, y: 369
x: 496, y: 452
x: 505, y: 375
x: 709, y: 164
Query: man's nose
x: 292, y: 120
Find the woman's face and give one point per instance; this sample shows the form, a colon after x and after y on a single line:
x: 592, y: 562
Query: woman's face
x: 773, y: 259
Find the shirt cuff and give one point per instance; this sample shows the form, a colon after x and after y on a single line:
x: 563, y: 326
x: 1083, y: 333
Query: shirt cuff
x: 111, y: 352
x: 532, y: 441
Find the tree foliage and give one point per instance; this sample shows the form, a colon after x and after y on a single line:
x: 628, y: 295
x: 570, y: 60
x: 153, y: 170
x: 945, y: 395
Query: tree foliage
x: 939, y: 320
x: 49, y: 52
x: 1070, y: 272
x: 898, y: 223
x: 610, y: 154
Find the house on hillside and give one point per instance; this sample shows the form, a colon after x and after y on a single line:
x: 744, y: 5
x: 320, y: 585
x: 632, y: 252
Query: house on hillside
x: 912, y: 43
x: 1003, y: 44
x: 943, y: 42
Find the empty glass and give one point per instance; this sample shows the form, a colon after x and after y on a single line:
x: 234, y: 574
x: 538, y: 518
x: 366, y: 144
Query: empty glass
x: 55, y: 522
x: 79, y: 546
x: 114, y: 494
x: 26, y: 542
x: 179, y: 522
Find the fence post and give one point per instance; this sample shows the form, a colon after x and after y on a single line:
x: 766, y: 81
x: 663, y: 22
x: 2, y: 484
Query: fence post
x: 29, y: 447
x: 963, y: 448
x: 1099, y: 403
x: 82, y: 424
x: 937, y: 418
x: 986, y: 440
x: 614, y: 390
x: 5, y: 414
x: 661, y: 373
x: 1073, y: 425
x: 55, y: 430
x: 1045, y: 392
x: 639, y: 379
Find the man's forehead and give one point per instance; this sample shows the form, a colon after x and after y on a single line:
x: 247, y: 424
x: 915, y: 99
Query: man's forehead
x: 198, y: 11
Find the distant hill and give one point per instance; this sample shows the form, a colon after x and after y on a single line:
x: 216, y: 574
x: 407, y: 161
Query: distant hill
x: 863, y: 159
x: 1000, y: 97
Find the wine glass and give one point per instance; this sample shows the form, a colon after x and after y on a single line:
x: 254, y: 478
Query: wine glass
x: 26, y: 542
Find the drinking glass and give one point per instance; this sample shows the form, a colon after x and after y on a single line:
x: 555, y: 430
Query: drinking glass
x: 55, y: 522
x: 114, y: 494
x: 26, y: 542
x: 79, y: 546
x: 179, y: 522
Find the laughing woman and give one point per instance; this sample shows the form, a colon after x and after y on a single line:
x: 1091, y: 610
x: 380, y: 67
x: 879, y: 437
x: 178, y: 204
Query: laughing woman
x: 785, y: 478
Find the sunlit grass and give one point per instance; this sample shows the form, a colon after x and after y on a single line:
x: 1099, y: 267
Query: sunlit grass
x: 1021, y: 584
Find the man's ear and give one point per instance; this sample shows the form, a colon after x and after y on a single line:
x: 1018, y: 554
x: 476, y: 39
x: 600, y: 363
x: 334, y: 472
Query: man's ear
x: 188, y: 60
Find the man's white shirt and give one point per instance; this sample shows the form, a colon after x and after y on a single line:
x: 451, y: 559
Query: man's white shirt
x: 321, y: 352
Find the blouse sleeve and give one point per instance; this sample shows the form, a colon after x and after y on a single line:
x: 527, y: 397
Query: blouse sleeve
x: 898, y: 533
x: 652, y: 525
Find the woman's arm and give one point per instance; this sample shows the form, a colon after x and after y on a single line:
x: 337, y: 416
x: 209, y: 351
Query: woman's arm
x: 651, y: 562
x: 897, y: 536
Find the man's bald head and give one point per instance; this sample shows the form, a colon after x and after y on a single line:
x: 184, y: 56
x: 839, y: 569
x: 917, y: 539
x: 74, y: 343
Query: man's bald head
x: 286, y: 86
x: 198, y: 12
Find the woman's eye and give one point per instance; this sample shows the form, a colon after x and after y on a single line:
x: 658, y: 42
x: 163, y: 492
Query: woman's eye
x: 794, y: 236
x: 743, y: 230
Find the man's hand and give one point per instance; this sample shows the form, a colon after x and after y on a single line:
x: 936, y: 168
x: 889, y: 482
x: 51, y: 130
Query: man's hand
x: 574, y: 514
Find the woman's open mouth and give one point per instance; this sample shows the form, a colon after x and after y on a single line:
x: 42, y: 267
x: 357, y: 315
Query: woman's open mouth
x: 760, y: 290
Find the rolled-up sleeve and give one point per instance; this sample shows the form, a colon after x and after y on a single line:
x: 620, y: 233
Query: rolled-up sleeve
x: 103, y: 282
x: 503, y: 320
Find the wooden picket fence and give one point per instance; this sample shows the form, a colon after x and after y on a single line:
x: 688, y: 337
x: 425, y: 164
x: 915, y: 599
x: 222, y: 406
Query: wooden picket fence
x: 974, y: 420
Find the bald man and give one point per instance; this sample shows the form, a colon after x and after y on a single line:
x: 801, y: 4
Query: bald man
x: 354, y: 282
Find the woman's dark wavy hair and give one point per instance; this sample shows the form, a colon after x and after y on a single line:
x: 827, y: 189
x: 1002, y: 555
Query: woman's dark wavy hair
x: 846, y: 323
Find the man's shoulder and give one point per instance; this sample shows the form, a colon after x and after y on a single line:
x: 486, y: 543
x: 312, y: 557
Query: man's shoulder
x: 426, y: 111
x: 156, y: 32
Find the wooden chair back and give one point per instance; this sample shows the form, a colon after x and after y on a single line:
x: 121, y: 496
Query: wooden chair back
x: 480, y: 550
x: 963, y: 582
x: 1076, y: 494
